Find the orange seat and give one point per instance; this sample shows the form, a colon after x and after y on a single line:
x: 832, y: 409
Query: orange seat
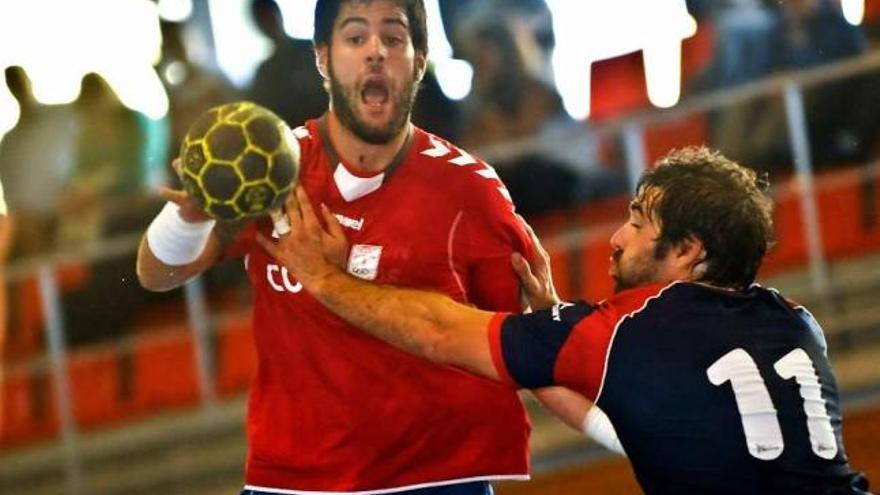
x: 95, y: 388
x: 26, y: 323
x: 165, y: 372
x: 29, y: 409
x: 697, y: 51
x: 236, y: 356
x: 674, y: 134
x: 872, y: 12
x: 617, y: 86
x: 790, y: 249
x: 848, y: 220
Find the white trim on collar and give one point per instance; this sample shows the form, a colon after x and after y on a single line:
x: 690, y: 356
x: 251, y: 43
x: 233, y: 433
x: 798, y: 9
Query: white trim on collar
x: 353, y: 187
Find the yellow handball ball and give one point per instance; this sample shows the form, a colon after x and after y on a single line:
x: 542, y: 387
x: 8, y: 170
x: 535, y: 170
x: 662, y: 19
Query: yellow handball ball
x: 239, y: 160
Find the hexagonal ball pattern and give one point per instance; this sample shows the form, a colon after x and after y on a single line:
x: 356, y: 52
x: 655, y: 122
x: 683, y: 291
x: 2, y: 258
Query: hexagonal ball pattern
x: 253, y: 166
x: 255, y: 199
x: 263, y: 133
x: 239, y: 160
x: 220, y: 181
x: 224, y: 212
x: 193, y: 157
x: 283, y: 170
x: 226, y: 142
x: 191, y: 186
x: 202, y: 125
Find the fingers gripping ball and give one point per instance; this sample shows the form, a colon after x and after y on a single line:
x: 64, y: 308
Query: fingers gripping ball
x: 239, y: 160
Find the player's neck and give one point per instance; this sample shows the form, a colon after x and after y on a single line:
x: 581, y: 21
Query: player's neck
x: 355, y: 151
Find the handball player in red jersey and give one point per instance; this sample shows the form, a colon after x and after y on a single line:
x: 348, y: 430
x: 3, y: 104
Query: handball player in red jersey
x: 331, y: 409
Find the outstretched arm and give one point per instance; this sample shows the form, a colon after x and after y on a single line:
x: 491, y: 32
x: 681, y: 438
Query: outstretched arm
x: 426, y: 324
x: 570, y: 407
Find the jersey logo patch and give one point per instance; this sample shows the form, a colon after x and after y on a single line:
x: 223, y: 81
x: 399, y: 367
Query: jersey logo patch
x: 556, y: 311
x: 348, y: 222
x: 363, y: 261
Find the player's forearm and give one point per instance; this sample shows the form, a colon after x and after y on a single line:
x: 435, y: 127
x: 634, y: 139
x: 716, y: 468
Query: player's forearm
x: 426, y: 324
x: 155, y: 275
x: 175, y: 249
x: 410, y: 320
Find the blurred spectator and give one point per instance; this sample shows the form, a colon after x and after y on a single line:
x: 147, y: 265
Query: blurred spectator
x: 191, y: 88
x: 109, y: 196
x: 110, y: 178
x: 509, y: 103
x: 36, y: 162
x: 287, y: 82
x: 754, y: 41
x: 434, y: 112
x: 530, y: 22
x: 741, y: 51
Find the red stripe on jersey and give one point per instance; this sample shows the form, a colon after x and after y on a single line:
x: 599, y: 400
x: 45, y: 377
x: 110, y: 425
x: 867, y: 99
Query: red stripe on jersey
x: 584, y: 357
x: 494, y: 334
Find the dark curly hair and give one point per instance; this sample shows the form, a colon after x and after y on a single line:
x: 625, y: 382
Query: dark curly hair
x: 697, y: 193
x: 326, y: 12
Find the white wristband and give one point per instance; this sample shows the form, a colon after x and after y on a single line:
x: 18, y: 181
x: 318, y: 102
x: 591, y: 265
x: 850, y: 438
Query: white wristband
x: 175, y: 241
x: 598, y: 427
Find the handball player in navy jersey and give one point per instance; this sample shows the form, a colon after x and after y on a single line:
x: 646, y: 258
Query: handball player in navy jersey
x: 714, y: 384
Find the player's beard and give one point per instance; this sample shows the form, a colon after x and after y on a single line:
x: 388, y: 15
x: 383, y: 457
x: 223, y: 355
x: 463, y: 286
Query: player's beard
x: 345, y: 106
x: 637, y: 271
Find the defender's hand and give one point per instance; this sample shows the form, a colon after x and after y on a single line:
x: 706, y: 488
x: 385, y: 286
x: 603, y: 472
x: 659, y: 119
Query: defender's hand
x: 333, y: 241
x: 536, y: 279
x: 301, y: 250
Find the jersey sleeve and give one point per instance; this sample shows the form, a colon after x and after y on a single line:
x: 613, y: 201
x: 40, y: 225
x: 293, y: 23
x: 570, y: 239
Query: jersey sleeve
x: 525, y: 348
x: 492, y: 232
x: 566, y: 345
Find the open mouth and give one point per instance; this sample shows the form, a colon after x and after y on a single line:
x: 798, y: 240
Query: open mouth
x: 375, y: 92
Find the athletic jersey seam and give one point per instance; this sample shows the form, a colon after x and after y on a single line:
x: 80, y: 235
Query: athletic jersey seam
x: 620, y: 321
x: 417, y: 486
x: 451, y: 254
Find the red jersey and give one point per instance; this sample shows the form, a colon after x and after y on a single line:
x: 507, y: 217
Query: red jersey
x: 334, y: 410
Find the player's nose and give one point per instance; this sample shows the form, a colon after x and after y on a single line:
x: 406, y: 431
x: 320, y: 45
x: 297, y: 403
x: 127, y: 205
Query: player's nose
x: 617, y: 238
x: 376, y: 50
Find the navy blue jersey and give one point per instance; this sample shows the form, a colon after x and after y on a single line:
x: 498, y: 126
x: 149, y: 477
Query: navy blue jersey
x: 709, y: 390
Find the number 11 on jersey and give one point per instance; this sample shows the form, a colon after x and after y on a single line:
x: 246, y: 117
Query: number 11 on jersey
x: 757, y: 412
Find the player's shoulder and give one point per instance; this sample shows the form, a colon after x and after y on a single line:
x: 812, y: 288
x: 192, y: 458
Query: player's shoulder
x: 630, y: 301
x: 458, y: 168
x: 307, y: 134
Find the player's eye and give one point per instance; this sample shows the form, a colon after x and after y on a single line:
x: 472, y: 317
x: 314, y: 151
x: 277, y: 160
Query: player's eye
x: 393, y: 41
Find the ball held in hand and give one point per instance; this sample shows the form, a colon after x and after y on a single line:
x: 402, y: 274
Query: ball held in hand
x: 239, y: 160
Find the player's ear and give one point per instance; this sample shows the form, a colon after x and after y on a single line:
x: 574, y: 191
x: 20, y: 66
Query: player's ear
x: 421, y: 65
x: 322, y: 54
x: 690, y: 255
